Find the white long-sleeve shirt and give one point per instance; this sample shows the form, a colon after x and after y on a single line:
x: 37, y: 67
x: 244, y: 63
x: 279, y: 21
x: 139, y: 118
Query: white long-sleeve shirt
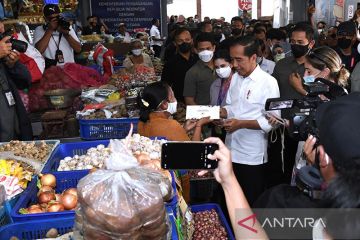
x: 245, y: 101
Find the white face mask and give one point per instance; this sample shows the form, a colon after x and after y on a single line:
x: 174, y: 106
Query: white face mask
x: 206, y: 55
x: 136, y: 52
x: 278, y: 57
x: 224, y: 72
x: 172, y: 108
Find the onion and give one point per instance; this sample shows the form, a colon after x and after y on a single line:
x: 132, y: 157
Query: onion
x: 72, y: 191
x: 46, y: 197
x: 69, y: 200
x: 34, y: 209
x: 55, y: 207
x: 45, y: 189
x: 48, y: 180
x: 57, y: 197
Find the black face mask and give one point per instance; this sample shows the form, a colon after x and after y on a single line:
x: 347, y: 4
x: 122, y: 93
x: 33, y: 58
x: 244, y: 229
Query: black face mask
x: 299, y: 50
x: 185, y: 47
x: 236, y: 31
x: 344, y: 43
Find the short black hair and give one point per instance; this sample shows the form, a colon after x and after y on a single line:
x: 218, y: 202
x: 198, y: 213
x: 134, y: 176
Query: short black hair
x: 304, y: 27
x: 205, y: 37
x: 259, y: 31
x: 236, y: 19
x: 92, y: 16
x: 321, y: 22
x: 154, y: 20
x: 250, y: 44
x: 201, y: 25
x: 180, y: 31
x: 275, y: 33
x: 222, y: 54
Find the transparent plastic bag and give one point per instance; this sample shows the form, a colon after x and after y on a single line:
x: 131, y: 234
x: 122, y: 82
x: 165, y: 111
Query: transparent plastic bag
x: 122, y: 202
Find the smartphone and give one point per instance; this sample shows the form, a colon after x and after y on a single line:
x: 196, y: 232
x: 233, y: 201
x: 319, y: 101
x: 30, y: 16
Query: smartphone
x: 278, y: 119
x: 187, y: 155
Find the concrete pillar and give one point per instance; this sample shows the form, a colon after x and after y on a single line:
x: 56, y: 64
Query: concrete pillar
x: 198, y: 9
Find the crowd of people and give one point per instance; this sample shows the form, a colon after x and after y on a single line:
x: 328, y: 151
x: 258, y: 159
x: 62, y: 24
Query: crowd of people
x: 237, y: 66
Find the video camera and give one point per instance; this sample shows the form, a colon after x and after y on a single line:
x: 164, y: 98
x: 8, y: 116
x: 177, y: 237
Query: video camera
x: 17, y: 45
x: 302, y: 121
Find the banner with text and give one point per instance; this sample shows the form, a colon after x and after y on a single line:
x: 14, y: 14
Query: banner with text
x: 134, y: 13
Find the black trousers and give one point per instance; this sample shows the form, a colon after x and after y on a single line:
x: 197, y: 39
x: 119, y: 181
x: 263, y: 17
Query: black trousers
x: 157, y: 50
x: 251, y: 179
x: 274, y: 173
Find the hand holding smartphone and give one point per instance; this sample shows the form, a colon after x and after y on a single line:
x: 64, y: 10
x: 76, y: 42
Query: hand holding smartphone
x: 188, y: 155
x: 270, y: 115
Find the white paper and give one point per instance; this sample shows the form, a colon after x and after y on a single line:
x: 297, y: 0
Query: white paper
x: 198, y: 112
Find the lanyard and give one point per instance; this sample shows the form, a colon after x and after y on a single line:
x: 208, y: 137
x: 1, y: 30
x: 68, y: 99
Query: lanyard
x: 57, y: 44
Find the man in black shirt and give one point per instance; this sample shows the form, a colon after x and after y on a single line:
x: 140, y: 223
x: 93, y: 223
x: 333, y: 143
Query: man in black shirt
x: 346, y: 37
x: 93, y: 26
x: 175, y: 69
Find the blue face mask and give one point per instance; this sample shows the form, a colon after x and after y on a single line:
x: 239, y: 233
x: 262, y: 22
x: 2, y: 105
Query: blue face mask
x: 309, y: 79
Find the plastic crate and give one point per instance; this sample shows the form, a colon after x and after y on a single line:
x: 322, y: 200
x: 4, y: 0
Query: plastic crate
x: 210, y: 206
x: 55, y: 143
x: 106, y: 128
x: 5, y: 210
x: 69, y: 150
x: 172, y: 204
x: 174, y: 232
x: 5, y: 218
x: 36, y: 229
x: 64, y: 180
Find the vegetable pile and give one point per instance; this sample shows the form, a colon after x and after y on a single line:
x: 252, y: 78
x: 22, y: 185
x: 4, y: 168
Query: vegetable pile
x: 48, y: 200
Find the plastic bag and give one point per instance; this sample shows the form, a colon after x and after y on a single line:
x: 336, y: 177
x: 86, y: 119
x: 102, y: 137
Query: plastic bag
x: 122, y: 202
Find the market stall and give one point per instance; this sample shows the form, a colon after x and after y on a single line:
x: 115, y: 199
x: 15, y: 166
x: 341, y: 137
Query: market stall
x: 118, y: 181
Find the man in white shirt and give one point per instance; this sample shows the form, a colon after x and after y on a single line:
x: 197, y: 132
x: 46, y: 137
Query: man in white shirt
x: 156, y: 40
x: 53, y: 41
x: 246, y: 125
x: 265, y: 64
x: 123, y: 34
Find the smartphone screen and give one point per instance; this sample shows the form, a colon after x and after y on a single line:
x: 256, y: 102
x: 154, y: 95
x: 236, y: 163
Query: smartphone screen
x: 187, y: 155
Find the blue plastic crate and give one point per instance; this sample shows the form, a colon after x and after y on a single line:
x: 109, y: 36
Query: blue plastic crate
x: 80, y: 148
x: 51, y: 1
x: 174, y: 201
x: 64, y: 180
x: 210, y: 206
x: 174, y: 233
x: 5, y: 214
x: 69, y: 150
x: 106, y: 128
x: 5, y: 210
x: 36, y: 229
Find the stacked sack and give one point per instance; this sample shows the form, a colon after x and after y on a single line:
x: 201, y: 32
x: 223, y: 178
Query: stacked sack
x: 122, y: 202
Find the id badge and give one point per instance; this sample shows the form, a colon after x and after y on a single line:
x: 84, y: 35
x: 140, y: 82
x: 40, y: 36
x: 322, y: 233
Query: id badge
x: 59, y: 56
x: 10, y: 98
